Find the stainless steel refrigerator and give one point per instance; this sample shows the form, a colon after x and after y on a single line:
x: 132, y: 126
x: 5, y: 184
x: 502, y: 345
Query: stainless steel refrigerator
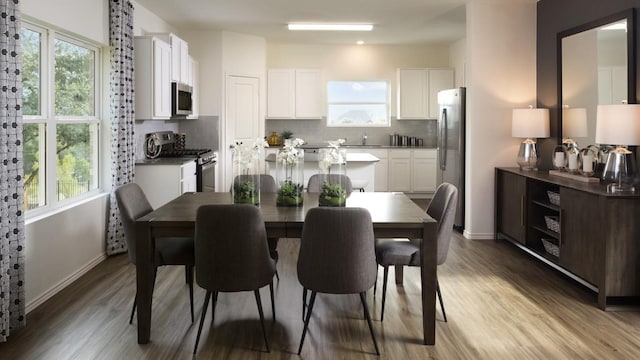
x: 451, y: 144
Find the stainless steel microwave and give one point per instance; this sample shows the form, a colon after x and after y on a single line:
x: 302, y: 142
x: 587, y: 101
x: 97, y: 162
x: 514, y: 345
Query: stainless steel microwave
x: 181, y: 101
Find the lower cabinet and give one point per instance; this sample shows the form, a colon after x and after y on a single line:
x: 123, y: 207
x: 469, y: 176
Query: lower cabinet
x: 577, y: 228
x: 413, y: 170
x: 163, y: 183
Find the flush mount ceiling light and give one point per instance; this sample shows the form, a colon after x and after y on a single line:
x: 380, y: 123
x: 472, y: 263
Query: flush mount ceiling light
x: 331, y: 27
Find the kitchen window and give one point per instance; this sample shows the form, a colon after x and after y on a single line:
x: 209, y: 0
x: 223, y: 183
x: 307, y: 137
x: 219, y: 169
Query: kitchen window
x: 358, y: 103
x: 61, y: 82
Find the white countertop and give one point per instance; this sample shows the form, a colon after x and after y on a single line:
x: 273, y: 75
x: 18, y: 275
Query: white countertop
x: 351, y: 157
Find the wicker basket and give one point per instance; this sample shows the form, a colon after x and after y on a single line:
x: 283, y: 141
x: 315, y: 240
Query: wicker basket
x: 550, y: 247
x: 553, y: 223
x: 554, y: 197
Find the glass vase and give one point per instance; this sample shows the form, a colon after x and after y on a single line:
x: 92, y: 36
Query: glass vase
x: 290, y: 177
x: 246, y: 177
x: 333, y: 164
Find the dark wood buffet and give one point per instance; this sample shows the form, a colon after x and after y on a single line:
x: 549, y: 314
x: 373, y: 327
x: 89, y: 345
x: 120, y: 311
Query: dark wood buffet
x: 577, y: 228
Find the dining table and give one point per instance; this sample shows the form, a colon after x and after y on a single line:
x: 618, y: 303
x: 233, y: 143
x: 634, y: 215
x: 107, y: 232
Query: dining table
x: 394, y: 215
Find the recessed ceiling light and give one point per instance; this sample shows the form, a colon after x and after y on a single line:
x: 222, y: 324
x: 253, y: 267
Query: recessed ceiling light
x: 329, y: 27
x: 360, y: 42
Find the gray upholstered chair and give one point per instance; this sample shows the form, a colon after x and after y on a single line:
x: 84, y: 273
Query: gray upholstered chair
x: 133, y: 204
x: 337, y: 257
x: 407, y: 252
x: 316, y: 180
x: 232, y: 255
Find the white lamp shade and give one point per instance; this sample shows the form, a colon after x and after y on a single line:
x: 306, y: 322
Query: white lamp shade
x: 530, y: 123
x: 618, y: 124
x: 574, y: 122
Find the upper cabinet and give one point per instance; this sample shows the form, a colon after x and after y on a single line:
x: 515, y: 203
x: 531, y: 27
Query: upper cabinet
x: 418, y: 92
x: 295, y: 94
x: 193, y: 81
x: 153, y: 78
x: 179, y: 57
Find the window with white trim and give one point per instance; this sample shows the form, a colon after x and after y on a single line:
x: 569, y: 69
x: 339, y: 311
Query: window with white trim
x: 61, y: 107
x: 358, y: 103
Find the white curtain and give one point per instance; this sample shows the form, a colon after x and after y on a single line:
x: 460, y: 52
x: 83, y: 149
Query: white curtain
x: 12, y: 253
x: 122, y: 113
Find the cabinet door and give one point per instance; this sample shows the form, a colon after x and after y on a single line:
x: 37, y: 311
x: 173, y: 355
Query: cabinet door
x: 188, y: 177
x: 400, y: 170
x: 308, y: 93
x: 184, y: 62
x: 582, y: 240
x: 193, y: 81
x: 439, y: 79
x: 423, y: 170
x: 412, y: 94
x: 161, y: 79
x: 510, y: 205
x: 381, y: 182
x: 281, y: 93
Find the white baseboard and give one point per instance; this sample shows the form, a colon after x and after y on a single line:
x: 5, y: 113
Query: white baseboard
x: 478, y: 236
x: 31, y: 305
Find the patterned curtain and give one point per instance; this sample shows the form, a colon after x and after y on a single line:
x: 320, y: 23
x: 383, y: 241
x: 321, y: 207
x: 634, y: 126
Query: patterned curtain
x: 12, y: 254
x: 122, y: 114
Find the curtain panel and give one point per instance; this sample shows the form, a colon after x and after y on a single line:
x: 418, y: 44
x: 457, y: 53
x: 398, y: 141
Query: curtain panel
x: 122, y: 114
x: 12, y: 253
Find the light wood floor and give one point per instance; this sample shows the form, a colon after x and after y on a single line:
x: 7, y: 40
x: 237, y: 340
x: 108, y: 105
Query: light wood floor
x: 501, y: 304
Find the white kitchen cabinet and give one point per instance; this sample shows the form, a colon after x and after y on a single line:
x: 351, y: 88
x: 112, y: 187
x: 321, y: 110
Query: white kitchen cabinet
x: 163, y: 183
x: 418, y: 92
x: 153, y: 82
x: 413, y: 170
x: 381, y: 168
x: 294, y: 94
x: 179, y: 57
x: 194, y: 70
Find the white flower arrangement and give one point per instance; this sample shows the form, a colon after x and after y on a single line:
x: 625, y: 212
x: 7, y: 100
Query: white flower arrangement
x: 290, y: 152
x: 333, y: 155
x: 245, y: 155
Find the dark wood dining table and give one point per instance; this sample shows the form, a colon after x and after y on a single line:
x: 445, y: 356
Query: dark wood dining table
x: 393, y: 215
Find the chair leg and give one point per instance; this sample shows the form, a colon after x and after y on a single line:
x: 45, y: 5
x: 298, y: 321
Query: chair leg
x: 304, y: 301
x: 133, y: 311
x: 264, y: 331
x: 444, y: 314
x: 306, y: 321
x: 363, y: 299
x: 213, y: 306
x: 384, y: 291
x: 188, y: 270
x: 375, y: 284
x: 277, y: 276
x: 204, y: 313
x: 273, y: 304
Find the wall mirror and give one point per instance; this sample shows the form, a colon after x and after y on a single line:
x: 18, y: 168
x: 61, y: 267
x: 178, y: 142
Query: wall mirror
x: 596, y: 67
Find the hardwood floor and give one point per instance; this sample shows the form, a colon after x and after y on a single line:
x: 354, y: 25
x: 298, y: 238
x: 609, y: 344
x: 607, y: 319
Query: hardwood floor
x: 501, y: 304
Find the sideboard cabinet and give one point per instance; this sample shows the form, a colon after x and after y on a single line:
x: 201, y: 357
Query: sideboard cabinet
x: 577, y: 228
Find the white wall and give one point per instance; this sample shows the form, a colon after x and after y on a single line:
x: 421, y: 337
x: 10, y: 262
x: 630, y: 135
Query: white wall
x: 458, y: 61
x: 64, y: 245
x: 501, y: 64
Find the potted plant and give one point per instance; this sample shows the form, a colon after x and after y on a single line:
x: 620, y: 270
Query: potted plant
x: 334, y: 159
x: 290, y: 173
x: 246, y: 167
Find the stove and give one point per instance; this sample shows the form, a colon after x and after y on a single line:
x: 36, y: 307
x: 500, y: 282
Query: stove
x: 162, y: 144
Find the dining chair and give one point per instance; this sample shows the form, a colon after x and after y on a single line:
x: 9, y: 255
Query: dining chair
x: 337, y: 257
x: 316, y: 180
x: 232, y: 255
x: 133, y: 204
x: 403, y: 252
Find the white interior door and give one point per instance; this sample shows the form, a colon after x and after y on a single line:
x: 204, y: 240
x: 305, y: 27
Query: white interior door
x: 242, y: 118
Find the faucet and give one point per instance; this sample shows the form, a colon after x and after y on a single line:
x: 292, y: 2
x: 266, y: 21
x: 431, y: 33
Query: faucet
x: 364, y: 139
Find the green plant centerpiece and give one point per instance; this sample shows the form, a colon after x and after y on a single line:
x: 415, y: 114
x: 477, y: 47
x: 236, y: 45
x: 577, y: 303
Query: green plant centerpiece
x: 246, y: 168
x: 333, y: 159
x: 290, y: 173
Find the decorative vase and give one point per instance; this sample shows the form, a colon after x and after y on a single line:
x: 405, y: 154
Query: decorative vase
x: 274, y: 139
x: 333, y: 163
x: 246, y: 176
x: 290, y: 176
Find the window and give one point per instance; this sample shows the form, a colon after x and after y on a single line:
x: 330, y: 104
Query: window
x: 60, y: 107
x: 358, y: 103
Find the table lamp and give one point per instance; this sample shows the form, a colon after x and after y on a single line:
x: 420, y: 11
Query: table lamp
x: 529, y: 123
x: 619, y: 125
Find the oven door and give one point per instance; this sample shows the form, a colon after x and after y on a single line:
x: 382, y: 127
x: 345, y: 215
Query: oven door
x: 206, y: 177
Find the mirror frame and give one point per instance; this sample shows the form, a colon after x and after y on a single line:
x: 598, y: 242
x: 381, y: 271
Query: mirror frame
x: 627, y: 15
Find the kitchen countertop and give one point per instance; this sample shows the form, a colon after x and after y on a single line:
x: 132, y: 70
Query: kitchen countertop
x: 165, y: 161
x: 351, y: 158
x: 372, y: 146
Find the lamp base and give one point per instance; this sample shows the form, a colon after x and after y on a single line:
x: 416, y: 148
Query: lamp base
x: 620, y: 170
x: 528, y: 156
x: 620, y: 188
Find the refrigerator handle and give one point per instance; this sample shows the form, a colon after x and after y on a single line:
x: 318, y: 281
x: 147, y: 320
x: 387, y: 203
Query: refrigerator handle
x: 442, y: 139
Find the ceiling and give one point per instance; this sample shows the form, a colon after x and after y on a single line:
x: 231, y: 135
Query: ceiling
x: 395, y: 21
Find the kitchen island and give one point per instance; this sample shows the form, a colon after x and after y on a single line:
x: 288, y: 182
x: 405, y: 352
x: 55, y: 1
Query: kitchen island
x: 360, y: 168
